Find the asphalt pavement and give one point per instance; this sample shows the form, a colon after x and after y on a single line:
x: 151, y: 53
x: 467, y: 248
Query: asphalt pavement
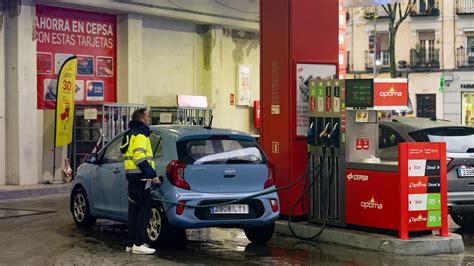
x: 40, y: 231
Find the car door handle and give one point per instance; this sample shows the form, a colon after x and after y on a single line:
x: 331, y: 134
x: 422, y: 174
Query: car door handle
x: 116, y: 171
x: 229, y: 175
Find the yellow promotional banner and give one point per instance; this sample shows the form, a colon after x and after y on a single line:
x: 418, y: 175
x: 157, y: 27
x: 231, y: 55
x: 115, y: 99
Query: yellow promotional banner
x: 65, y: 102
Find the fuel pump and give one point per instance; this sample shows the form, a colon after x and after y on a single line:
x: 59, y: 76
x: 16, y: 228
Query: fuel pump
x: 327, y: 115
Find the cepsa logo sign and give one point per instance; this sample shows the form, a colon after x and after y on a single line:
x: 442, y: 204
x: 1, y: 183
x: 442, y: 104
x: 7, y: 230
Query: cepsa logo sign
x: 391, y: 93
x: 371, y: 204
x: 362, y: 178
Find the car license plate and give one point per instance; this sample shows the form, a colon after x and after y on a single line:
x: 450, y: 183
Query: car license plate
x: 231, y: 209
x: 466, y: 172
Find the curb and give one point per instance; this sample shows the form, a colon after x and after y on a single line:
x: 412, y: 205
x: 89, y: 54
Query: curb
x: 425, y: 245
x: 15, y: 194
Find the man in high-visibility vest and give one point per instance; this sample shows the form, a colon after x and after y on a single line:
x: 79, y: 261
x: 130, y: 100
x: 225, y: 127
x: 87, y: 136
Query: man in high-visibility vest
x: 140, y: 171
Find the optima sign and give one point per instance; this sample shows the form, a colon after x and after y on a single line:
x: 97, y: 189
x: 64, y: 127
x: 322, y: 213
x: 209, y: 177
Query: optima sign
x: 390, y: 94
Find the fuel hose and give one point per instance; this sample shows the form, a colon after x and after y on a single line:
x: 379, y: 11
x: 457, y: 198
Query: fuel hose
x: 294, y: 183
x: 305, y: 191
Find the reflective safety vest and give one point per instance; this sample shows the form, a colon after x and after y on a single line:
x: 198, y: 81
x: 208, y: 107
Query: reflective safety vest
x: 139, y: 150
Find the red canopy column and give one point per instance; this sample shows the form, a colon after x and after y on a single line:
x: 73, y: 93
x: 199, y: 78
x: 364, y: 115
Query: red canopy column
x: 292, y: 32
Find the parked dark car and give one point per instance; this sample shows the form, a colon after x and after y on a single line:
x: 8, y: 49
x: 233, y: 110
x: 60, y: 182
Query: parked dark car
x: 460, y: 157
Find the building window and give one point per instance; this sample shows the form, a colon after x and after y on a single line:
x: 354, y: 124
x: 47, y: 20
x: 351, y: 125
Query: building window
x: 424, y: 54
x: 465, y: 54
x: 468, y: 108
x: 425, y: 8
x: 378, y: 47
x: 464, y: 7
x: 470, y: 45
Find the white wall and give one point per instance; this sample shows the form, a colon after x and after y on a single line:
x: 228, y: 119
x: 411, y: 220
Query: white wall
x: 236, y: 48
x: 169, y: 65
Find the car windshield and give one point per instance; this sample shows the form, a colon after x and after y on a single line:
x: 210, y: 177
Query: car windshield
x: 458, y: 139
x: 220, y: 150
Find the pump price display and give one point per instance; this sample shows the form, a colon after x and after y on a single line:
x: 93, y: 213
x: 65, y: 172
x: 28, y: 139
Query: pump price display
x: 231, y: 209
x: 359, y: 93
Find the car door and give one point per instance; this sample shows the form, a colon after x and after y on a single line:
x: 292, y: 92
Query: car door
x: 111, y: 176
x: 157, y: 146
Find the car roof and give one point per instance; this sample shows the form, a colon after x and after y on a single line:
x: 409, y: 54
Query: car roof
x: 411, y: 124
x: 184, y: 132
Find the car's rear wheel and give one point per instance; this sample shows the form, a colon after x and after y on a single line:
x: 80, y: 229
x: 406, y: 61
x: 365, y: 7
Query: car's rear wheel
x: 160, y: 233
x: 463, y: 220
x: 260, y: 234
x: 80, y: 209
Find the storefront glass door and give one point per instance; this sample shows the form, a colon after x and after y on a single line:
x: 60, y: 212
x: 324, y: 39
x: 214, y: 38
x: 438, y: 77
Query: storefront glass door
x: 468, y: 108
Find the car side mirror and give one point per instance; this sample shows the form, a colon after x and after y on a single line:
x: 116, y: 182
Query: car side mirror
x: 92, y: 158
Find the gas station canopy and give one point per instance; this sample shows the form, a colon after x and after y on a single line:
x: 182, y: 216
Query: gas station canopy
x: 360, y: 3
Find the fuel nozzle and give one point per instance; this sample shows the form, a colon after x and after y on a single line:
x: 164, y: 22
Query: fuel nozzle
x: 325, y: 135
x: 331, y: 140
x: 310, y: 135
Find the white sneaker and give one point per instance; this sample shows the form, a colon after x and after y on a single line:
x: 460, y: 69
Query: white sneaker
x: 143, y: 250
x: 129, y: 249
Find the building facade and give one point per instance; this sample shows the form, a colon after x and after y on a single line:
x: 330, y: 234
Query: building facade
x: 435, y: 41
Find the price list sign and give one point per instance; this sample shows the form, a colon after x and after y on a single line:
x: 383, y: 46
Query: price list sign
x: 423, y: 187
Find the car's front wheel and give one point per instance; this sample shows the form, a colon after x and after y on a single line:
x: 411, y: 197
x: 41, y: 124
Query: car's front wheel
x: 80, y: 209
x: 463, y: 220
x: 260, y: 234
x: 161, y: 233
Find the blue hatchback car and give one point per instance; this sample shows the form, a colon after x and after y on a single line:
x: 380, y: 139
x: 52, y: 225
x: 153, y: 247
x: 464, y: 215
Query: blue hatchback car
x: 199, y: 167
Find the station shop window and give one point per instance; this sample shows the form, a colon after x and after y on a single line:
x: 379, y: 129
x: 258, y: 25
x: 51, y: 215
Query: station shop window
x: 468, y: 108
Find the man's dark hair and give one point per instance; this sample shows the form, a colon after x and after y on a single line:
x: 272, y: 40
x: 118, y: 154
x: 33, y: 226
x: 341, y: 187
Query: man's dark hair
x: 138, y: 114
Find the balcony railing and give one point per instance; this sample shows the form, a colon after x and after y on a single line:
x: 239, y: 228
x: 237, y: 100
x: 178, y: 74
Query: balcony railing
x: 422, y: 58
x: 383, y: 57
x: 464, y: 7
x: 465, y: 57
x: 371, y: 11
x: 425, y: 8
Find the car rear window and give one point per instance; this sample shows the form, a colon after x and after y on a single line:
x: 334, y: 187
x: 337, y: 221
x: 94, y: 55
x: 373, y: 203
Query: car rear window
x: 458, y: 139
x: 220, y: 150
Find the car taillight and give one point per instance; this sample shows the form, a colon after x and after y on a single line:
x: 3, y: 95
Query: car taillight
x: 175, y: 174
x: 271, y: 176
x: 448, y: 160
x: 180, y: 208
x: 274, y: 204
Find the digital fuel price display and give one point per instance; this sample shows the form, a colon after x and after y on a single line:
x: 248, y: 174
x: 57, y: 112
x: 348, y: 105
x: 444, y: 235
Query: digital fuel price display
x: 360, y: 93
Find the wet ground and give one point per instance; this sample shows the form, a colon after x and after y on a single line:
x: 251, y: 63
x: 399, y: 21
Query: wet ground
x: 40, y: 231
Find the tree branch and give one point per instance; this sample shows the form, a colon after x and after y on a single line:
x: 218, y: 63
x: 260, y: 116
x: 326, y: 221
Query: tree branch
x: 386, y: 10
x: 408, y: 10
x: 400, y: 11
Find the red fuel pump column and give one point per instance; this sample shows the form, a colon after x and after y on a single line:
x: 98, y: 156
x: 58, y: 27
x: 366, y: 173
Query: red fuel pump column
x: 299, y: 43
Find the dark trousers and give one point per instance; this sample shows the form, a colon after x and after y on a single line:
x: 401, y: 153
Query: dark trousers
x: 139, y: 210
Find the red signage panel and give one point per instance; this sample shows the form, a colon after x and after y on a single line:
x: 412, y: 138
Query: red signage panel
x: 390, y: 94
x: 372, y: 198
x: 423, y: 188
x: 92, y: 37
